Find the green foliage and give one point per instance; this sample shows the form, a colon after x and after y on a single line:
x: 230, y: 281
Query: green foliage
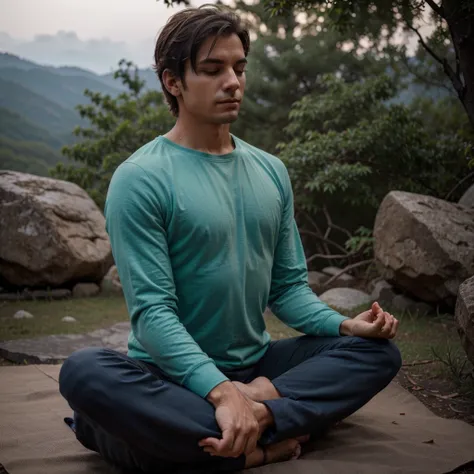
x: 119, y: 126
x: 351, y: 147
x: 287, y: 61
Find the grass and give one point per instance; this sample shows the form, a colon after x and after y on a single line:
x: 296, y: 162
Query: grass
x: 90, y: 313
x: 419, y: 337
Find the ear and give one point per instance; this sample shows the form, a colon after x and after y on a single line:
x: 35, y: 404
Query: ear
x: 173, y: 85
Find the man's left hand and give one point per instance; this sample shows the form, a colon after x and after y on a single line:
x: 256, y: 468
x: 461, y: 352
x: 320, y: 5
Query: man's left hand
x: 372, y: 323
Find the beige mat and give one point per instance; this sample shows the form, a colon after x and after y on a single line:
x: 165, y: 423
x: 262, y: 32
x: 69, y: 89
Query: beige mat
x: 394, y: 433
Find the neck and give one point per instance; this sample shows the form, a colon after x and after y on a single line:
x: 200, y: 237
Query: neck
x: 206, y: 137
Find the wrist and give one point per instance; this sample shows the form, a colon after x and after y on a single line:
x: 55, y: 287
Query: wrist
x: 345, y: 329
x: 219, y: 393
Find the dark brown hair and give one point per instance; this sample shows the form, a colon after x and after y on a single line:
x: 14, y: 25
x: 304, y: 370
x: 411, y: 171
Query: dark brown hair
x: 184, y: 34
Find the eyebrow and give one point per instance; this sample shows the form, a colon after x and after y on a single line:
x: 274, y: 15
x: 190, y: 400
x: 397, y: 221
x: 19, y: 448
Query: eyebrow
x: 219, y: 61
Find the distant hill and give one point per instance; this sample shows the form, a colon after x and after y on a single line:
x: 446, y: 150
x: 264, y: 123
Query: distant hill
x: 27, y: 156
x: 16, y: 127
x: 57, y: 120
x: 66, y: 91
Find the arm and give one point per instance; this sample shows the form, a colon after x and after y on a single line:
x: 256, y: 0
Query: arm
x: 291, y: 299
x: 135, y: 218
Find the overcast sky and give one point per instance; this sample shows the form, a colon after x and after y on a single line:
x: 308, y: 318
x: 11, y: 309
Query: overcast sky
x: 94, y: 34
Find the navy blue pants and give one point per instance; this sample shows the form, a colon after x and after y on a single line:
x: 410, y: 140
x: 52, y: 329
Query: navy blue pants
x: 131, y: 414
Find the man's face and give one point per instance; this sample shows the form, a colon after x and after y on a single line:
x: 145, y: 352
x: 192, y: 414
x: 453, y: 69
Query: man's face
x: 214, y: 92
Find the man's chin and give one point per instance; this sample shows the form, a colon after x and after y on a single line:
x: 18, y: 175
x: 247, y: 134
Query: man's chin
x: 226, y: 118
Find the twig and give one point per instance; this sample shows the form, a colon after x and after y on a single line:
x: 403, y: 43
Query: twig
x: 321, y: 255
x: 331, y: 225
x: 459, y: 184
x: 327, y: 241
x: 418, y: 362
x: 347, y: 268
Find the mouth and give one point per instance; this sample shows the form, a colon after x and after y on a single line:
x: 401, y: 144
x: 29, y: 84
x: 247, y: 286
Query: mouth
x: 233, y: 101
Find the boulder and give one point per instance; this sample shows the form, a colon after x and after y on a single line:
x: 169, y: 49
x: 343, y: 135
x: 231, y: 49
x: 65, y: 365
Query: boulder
x: 404, y: 304
x: 464, y: 315
x: 316, y: 281
x: 383, y: 292
x: 342, y: 281
x: 424, y: 246
x: 467, y: 199
x: 110, y: 284
x: 52, y: 232
x: 85, y: 290
x: 345, y: 299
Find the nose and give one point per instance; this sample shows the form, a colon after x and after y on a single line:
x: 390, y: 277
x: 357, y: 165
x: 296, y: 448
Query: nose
x: 232, y: 82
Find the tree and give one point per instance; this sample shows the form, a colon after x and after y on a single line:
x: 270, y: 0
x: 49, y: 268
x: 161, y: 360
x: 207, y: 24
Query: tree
x: 118, y: 128
x: 453, y: 20
x: 350, y: 146
x: 288, y: 58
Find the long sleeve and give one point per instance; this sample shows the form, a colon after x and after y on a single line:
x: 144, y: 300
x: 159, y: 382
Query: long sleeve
x: 291, y: 299
x: 136, y: 223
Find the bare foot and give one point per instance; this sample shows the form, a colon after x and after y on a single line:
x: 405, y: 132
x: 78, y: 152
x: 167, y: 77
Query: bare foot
x: 286, y: 450
x: 259, y: 389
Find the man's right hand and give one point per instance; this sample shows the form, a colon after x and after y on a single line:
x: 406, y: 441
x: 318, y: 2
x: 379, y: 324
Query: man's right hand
x: 236, y: 419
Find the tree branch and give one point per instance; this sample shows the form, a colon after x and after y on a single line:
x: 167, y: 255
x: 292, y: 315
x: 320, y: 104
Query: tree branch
x: 327, y: 241
x: 334, y: 226
x: 321, y: 255
x: 455, y: 79
x: 436, y: 8
x: 459, y: 184
x: 346, y: 269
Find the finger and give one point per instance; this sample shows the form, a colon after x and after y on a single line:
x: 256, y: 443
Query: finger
x: 252, y: 441
x: 209, y: 443
x: 379, y: 322
x: 226, y: 443
x: 376, y: 307
x: 393, y: 332
x: 387, y: 327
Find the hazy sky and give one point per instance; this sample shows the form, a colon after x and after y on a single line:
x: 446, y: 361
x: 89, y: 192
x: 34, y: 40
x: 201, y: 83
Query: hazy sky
x: 94, y: 34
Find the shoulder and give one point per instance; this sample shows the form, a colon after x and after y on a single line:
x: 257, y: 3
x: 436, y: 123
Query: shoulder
x: 271, y: 163
x: 260, y: 154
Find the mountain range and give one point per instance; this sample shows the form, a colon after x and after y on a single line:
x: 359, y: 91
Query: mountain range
x: 38, y: 109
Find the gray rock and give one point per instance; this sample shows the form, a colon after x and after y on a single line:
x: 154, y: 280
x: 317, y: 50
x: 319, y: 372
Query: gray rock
x: 52, y: 232
x: 85, y: 290
x: 343, y: 281
x: 404, y: 304
x: 316, y: 281
x: 69, y: 319
x: 467, y: 198
x: 464, y: 315
x: 383, y: 292
x: 345, y: 299
x: 21, y: 314
x: 57, y: 348
x: 110, y: 284
x: 27, y: 295
x: 424, y: 245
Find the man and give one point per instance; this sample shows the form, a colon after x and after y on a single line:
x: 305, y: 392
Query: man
x: 203, y: 235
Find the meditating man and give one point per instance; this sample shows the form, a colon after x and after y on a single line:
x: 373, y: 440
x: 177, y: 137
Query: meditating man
x: 203, y: 234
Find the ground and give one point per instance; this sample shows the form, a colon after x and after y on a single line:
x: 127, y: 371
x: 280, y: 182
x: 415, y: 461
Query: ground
x: 435, y: 368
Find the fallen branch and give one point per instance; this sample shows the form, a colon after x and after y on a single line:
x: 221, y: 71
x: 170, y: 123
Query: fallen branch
x: 418, y: 362
x: 347, y: 268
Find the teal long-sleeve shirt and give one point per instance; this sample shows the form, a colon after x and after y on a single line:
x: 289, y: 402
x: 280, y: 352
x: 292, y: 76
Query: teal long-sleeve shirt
x: 203, y: 243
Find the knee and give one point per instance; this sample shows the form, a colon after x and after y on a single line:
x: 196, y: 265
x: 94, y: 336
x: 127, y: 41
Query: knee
x: 388, y: 356
x: 79, y: 370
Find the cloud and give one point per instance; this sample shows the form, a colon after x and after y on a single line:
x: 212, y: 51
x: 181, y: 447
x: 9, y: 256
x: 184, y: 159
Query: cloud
x: 65, y: 48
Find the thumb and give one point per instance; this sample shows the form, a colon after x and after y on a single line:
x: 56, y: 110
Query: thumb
x: 379, y: 321
x: 376, y: 308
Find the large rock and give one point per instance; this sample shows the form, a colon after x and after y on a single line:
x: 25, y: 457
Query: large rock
x: 464, y: 315
x: 424, y: 245
x: 467, y: 198
x: 346, y: 299
x: 51, y: 232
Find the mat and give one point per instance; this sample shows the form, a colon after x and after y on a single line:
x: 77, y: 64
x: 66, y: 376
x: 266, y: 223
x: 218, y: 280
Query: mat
x: 394, y: 433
